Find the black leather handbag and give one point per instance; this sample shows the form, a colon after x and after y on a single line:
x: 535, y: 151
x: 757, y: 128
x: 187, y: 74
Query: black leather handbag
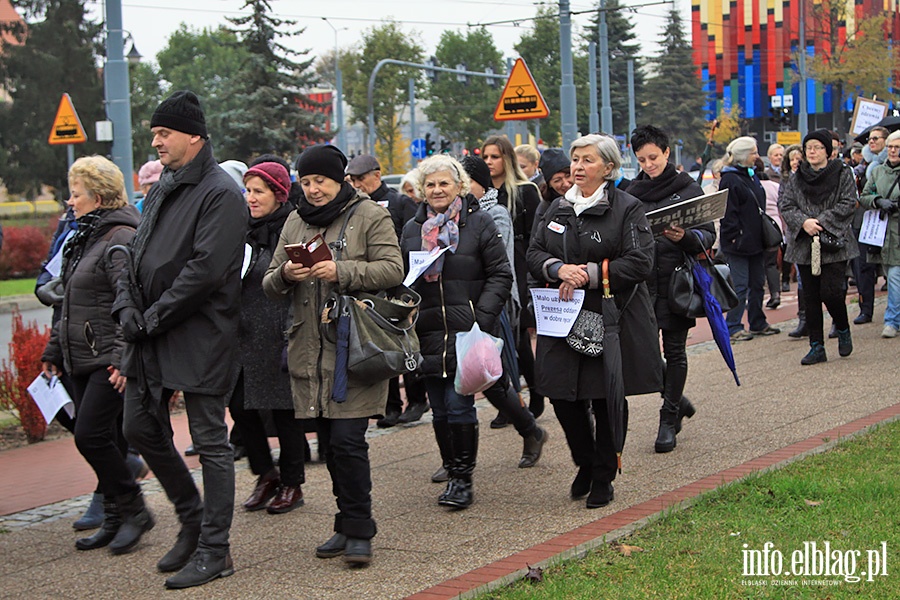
x: 831, y: 242
x: 771, y: 232
x: 685, y: 297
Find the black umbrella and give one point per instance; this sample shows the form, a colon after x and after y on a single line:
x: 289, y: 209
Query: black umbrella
x: 612, y: 366
x: 889, y: 123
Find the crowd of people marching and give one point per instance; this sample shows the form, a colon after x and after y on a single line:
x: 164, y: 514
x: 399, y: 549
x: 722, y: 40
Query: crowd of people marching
x: 199, y: 291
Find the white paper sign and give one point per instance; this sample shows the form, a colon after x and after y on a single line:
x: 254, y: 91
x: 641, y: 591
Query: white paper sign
x: 51, y: 396
x: 873, y: 228
x: 419, y: 261
x: 248, y: 254
x: 54, y: 265
x: 555, y: 317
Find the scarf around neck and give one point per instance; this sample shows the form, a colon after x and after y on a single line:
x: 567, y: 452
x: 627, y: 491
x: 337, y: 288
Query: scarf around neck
x: 821, y: 183
x: 489, y: 200
x: 74, y: 248
x: 264, y: 231
x: 668, y: 183
x: 440, y: 230
x: 323, y: 216
x: 580, y: 203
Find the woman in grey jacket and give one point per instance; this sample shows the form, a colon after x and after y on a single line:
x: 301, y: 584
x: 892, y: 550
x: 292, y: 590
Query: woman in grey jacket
x: 87, y: 342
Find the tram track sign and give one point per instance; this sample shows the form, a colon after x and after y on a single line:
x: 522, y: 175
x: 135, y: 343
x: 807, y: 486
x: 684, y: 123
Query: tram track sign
x: 521, y: 99
x: 67, y: 127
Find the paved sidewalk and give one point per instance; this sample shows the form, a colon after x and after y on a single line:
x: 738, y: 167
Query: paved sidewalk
x: 520, y: 515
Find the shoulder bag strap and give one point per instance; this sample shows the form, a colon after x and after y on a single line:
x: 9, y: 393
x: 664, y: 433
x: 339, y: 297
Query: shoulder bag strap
x: 340, y: 243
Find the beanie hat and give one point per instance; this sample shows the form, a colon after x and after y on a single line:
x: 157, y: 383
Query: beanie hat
x: 322, y: 159
x: 150, y: 172
x: 235, y: 170
x: 478, y: 171
x: 275, y: 176
x: 821, y: 135
x: 554, y: 160
x: 181, y: 111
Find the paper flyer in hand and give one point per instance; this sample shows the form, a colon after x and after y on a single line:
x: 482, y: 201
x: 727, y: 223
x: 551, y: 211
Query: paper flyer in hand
x: 51, y: 396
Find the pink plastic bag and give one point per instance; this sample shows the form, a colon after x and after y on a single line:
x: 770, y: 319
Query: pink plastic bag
x: 478, y: 363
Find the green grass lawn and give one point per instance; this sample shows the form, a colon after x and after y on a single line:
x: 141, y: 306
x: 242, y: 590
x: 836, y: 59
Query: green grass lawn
x: 15, y: 287
x: 848, y: 497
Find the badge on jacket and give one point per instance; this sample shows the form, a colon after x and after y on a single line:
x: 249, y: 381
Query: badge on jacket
x: 556, y: 227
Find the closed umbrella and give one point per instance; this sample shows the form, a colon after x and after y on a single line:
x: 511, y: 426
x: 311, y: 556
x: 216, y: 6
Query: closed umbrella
x: 508, y: 354
x: 889, y: 123
x: 714, y: 316
x: 341, y: 351
x: 612, y: 367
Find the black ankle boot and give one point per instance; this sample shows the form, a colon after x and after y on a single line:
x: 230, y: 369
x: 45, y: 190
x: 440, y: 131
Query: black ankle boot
x: 685, y: 409
x: 185, y: 545
x: 802, y: 330
x: 581, y: 485
x: 136, y: 520
x: 665, y: 438
x: 108, y: 529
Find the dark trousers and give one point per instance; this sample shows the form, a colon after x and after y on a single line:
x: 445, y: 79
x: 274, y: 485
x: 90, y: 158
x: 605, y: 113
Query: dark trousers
x: 504, y: 398
x: 674, y: 349
x: 291, y: 439
x: 749, y: 275
x: 446, y: 404
x: 351, y: 476
x: 829, y: 289
x: 773, y: 277
x: 98, y: 432
x: 148, y: 429
x: 865, y: 274
x: 415, y: 393
x: 590, y: 440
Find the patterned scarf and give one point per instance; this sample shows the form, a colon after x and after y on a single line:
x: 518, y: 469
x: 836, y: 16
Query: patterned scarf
x: 489, y: 200
x: 74, y: 248
x: 441, y: 230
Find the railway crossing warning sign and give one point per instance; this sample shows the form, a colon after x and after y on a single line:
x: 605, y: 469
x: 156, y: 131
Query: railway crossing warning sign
x: 521, y: 98
x: 67, y: 127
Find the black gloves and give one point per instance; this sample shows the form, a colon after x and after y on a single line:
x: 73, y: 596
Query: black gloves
x: 134, y: 329
x: 886, y: 204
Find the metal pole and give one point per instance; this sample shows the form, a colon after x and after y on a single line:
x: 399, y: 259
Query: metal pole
x: 567, y: 108
x: 632, y: 121
x: 70, y: 154
x: 802, y: 117
x: 606, y: 110
x: 118, y: 99
x: 339, y: 91
x: 510, y: 125
x: 412, y: 119
x: 594, y: 116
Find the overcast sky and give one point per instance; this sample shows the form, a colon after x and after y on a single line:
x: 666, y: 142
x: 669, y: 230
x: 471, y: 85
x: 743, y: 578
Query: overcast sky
x: 152, y: 21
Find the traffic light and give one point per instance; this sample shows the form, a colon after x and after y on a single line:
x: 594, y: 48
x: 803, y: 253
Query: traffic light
x: 786, y: 116
x: 429, y: 145
x: 445, y: 146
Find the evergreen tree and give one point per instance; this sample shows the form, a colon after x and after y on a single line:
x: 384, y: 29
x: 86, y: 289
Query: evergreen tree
x: 59, y: 55
x: 146, y: 94
x: 271, y: 113
x: 464, y: 112
x: 675, y: 99
x: 622, y: 48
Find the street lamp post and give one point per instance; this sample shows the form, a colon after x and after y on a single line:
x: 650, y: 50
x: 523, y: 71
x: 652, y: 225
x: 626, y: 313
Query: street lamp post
x: 118, y: 96
x: 339, y: 90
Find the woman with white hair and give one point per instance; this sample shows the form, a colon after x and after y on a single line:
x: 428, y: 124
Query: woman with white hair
x: 469, y: 283
x: 594, y: 222
x: 741, y: 238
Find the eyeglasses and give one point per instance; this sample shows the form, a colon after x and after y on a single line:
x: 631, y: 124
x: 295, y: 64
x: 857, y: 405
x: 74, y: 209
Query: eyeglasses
x: 894, y: 148
x: 873, y: 138
x: 816, y: 148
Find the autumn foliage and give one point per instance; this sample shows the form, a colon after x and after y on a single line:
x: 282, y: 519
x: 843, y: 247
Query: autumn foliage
x: 25, y: 350
x: 24, y: 249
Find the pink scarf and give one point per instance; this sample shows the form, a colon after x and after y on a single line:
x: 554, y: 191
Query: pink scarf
x: 441, y: 230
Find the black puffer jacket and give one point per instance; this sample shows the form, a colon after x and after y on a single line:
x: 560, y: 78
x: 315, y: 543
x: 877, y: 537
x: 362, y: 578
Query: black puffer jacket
x: 402, y: 207
x: 740, y: 230
x: 86, y: 337
x: 670, y: 188
x: 477, y: 276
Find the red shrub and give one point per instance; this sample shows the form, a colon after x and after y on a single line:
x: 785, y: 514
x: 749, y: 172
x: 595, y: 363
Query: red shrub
x: 25, y: 350
x: 24, y: 249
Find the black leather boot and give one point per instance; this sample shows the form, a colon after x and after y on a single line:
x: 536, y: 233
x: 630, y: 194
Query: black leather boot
x: 665, y: 439
x: 112, y: 521
x: 185, y: 545
x: 459, y: 493
x: 685, y: 409
x: 445, y: 446
x: 802, y: 330
x: 136, y: 520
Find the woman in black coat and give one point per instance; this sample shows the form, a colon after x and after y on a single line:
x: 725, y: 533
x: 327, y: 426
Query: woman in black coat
x: 741, y: 238
x: 469, y: 283
x: 593, y: 222
x: 260, y: 383
x: 659, y: 185
x: 87, y: 343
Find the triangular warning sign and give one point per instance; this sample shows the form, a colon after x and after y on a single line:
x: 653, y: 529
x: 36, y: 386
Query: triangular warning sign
x: 67, y: 127
x: 521, y: 98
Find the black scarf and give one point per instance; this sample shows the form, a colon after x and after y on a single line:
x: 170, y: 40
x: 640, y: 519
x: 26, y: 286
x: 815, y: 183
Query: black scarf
x: 264, y: 231
x: 74, y: 248
x: 821, y: 183
x: 323, y: 216
x: 669, y: 182
x: 168, y: 182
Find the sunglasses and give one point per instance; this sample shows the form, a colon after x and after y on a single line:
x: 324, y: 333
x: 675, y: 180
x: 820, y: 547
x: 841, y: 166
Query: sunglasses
x: 872, y: 138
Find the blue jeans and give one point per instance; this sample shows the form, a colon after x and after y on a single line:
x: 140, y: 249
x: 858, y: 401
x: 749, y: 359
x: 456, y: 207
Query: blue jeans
x: 749, y: 276
x: 892, y: 312
x: 446, y: 404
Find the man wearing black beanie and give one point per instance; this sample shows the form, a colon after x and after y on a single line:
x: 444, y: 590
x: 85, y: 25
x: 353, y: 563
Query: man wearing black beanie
x: 178, y: 305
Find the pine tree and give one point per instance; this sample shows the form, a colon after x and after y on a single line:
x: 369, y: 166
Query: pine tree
x: 59, y: 55
x: 622, y: 48
x: 675, y: 99
x: 273, y: 113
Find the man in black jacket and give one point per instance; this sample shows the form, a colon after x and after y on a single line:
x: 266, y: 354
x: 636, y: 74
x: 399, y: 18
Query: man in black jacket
x: 365, y: 175
x: 179, y: 307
